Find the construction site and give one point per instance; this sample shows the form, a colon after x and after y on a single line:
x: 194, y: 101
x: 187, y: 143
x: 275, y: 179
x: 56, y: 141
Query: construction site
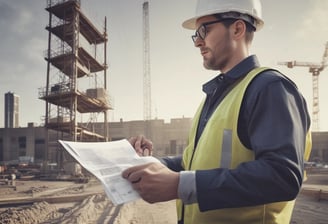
x: 53, y: 188
x: 69, y: 64
x: 56, y: 189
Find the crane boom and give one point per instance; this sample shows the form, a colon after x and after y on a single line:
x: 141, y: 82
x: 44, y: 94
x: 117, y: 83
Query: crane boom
x: 291, y: 64
x: 311, y: 65
x: 315, y: 69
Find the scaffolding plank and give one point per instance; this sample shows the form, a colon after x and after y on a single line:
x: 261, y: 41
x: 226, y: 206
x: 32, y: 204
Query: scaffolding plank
x: 66, y: 10
x: 85, y: 104
x: 86, y: 63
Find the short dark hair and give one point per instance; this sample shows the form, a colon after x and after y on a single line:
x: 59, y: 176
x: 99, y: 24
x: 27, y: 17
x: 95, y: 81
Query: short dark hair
x: 232, y: 17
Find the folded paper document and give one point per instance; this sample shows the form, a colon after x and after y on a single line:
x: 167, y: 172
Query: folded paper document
x: 106, y: 161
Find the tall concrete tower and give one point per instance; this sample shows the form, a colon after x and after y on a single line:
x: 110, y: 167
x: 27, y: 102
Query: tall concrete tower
x: 146, y: 63
x: 11, y: 110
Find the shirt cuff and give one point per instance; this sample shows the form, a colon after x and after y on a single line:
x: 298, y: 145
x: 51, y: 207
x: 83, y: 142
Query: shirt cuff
x: 187, y: 187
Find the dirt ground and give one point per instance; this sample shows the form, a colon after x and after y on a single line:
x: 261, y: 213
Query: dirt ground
x: 69, y: 203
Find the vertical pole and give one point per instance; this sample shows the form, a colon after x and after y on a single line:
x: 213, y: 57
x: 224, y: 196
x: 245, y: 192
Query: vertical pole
x: 315, y: 103
x: 105, y: 80
x: 75, y: 55
x: 47, y: 115
x: 146, y: 63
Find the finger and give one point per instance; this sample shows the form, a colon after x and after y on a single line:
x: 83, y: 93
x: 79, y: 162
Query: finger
x: 147, y: 152
x: 134, y: 178
x: 147, y: 147
x: 127, y: 173
x: 146, y: 143
x: 136, y: 181
x: 138, y: 143
x: 132, y: 140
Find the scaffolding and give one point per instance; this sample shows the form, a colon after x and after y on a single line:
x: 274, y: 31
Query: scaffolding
x: 70, y: 62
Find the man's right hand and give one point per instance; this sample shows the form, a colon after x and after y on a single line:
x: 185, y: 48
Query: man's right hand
x: 142, y: 145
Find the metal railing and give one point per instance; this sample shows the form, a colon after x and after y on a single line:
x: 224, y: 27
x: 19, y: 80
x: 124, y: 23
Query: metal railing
x: 56, y: 2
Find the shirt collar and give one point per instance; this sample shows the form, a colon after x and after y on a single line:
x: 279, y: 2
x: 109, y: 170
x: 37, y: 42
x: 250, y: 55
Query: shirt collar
x: 240, y: 70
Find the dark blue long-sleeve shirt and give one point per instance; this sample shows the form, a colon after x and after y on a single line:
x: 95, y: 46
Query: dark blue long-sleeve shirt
x: 273, y: 122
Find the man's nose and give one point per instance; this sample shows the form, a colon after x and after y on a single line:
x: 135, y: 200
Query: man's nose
x: 198, y: 42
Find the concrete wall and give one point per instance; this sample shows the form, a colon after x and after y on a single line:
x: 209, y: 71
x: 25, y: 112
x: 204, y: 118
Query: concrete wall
x: 319, y: 147
x: 22, y: 142
x: 169, y: 138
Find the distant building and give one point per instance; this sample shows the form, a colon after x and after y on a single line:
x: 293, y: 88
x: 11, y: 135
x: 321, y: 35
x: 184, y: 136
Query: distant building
x: 319, y: 151
x: 31, y: 142
x: 169, y: 138
x: 27, y: 142
x: 11, y: 110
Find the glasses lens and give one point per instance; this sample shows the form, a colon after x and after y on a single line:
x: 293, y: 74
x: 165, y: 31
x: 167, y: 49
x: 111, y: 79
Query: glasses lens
x: 194, y: 38
x: 202, y: 32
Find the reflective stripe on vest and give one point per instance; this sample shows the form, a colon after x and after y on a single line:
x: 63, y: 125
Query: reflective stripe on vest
x: 226, y: 149
x: 220, y: 147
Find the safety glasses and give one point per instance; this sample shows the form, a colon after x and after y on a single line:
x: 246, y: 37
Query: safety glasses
x: 202, y: 30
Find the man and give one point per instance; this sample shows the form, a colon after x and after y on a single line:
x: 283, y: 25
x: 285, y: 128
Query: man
x: 244, y: 159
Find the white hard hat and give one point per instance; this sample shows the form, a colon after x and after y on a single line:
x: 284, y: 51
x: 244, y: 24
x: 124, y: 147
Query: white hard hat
x: 252, y: 8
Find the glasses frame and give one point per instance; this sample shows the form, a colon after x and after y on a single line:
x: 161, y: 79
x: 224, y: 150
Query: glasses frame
x: 204, y: 26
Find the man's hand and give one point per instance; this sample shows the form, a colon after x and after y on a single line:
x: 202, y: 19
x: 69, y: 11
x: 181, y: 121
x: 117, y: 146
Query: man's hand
x: 143, y: 146
x: 153, y: 181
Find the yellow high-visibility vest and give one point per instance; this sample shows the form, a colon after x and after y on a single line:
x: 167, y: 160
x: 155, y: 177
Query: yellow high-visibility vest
x: 220, y: 147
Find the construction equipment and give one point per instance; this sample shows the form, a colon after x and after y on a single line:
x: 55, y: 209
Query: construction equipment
x: 315, y: 69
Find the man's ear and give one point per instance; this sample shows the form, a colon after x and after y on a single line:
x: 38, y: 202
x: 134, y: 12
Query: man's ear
x: 238, y: 29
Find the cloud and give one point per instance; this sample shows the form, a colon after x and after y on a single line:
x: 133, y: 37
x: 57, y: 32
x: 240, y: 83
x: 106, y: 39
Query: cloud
x: 34, y: 48
x: 15, y: 18
x: 23, y: 42
x: 314, y: 24
x: 6, y: 13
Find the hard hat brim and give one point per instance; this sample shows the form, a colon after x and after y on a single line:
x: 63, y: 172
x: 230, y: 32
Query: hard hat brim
x: 191, y: 23
x: 252, y: 8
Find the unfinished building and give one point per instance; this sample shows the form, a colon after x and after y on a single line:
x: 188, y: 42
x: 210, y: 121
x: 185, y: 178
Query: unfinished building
x: 76, y: 86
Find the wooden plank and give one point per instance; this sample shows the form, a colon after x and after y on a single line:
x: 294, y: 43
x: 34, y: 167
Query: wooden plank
x: 319, y: 194
x: 7, y: 202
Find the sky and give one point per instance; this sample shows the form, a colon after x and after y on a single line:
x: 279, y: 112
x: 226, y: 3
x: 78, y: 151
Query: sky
x: 293, y: 30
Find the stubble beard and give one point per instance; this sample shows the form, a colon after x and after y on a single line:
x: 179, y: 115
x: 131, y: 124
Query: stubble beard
x: 218, y: 59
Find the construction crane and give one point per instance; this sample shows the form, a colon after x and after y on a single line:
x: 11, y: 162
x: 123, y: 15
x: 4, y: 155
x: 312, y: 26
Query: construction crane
x: 315, y: 69
x: 146, y: 63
